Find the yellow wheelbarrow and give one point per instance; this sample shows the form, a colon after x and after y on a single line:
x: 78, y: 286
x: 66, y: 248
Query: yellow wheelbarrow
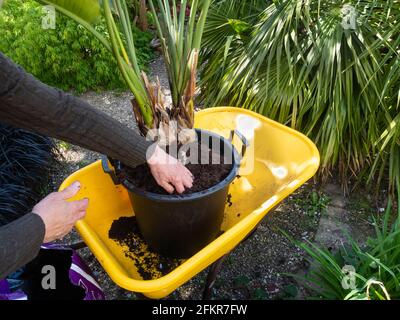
x: 277, y: 162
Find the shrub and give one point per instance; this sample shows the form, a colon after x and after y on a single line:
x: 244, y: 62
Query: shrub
x: 25, y: 163
x: 67, y: 57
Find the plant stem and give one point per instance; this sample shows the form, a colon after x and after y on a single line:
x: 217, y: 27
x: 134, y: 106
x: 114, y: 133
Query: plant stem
x: 135, y: 85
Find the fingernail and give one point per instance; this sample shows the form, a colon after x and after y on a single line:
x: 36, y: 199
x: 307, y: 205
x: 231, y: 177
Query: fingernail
x: 76, y: 185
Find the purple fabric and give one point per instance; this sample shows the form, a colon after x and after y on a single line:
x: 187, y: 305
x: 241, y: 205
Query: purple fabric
x: 4, y: 287
x: 79, y: 274
x: 6, y: 294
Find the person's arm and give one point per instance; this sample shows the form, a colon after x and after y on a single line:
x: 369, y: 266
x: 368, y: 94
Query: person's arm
x: 20, y: 242
x: 52, y: 218
x: 27, y: 103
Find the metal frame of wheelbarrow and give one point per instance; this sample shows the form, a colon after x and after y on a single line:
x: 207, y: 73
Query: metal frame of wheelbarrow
x: 283, y: 160
x: 212, y: 274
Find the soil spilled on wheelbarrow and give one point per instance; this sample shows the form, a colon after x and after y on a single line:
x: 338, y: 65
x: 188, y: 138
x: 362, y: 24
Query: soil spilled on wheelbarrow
x: 205, y: 175
x: 150, y: 265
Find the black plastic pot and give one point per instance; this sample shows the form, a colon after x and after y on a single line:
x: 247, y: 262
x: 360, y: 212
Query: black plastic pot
x: 180, y: 225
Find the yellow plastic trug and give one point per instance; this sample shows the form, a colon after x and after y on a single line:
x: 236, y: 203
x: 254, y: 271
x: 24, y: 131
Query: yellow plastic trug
x: 278, y: 161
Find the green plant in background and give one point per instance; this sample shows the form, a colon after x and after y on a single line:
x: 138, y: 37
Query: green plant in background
x: 354, y: 272
x: 259, y: 294
x: 67, y: 57
x: 244, y: 283
x: 180, y: 41
x: 313, y: 202
x: 227, y: 32
x: 318, y: 202
x: 327, y: 68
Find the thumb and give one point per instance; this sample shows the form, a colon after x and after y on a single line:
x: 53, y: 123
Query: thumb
x: 70, y: 191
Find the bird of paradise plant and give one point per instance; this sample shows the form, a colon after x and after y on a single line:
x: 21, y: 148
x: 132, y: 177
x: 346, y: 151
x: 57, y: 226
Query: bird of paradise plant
x: 180, y: 39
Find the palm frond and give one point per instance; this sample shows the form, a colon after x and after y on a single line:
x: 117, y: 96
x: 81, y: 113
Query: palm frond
x: 302, y: 66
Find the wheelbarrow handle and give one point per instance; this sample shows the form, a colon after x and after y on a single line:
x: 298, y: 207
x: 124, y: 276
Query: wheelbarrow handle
x: 108, y: 170
x: 245, y: 142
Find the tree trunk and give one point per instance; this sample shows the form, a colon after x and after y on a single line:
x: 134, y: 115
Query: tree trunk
x: 143, y: 23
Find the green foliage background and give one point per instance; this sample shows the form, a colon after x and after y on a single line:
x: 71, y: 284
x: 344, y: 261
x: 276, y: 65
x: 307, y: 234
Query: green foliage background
x: 293, y: 61
x: 355, y: 272
x: 67, y: 57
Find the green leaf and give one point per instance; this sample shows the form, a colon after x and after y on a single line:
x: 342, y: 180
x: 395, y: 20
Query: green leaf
x: 242, y: 281
x: 88, y: 10
x: 240, y: 27
x: 291, y: 290
x: 260, y: 294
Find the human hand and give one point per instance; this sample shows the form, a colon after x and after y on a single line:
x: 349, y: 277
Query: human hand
x: 168, y: 172
x: 59, y: 215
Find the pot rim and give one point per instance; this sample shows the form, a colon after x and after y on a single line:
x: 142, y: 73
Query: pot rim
x: 196, y: 195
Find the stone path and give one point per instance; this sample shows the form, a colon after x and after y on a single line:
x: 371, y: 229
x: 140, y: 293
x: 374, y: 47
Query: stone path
x: 339, y: 221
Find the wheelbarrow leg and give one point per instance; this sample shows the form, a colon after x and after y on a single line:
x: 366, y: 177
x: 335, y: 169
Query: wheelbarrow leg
x: 78, y: 245
x: 212, y: 276
x: 216, y: 267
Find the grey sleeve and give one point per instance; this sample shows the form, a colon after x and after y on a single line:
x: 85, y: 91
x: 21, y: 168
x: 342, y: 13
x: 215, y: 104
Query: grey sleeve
x: 20, y: 242
x: 27, y: 103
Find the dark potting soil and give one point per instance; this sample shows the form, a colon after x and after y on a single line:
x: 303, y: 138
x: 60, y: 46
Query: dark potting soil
x: 229, y: 199
x: 150, y: 265
x: 205, y: 175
